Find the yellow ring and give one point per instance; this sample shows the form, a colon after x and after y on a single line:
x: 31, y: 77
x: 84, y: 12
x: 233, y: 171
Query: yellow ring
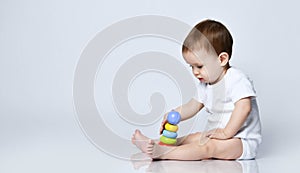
x: 166, y: 140
x: 171, y: 128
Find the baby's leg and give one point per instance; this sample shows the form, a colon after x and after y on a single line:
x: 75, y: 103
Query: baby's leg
x: 144, y: 143
x: 213, y: 148
x: 191, y: 149
x: 186, y: 145
x: 191, y: 138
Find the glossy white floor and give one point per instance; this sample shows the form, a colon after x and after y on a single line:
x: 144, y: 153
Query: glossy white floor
x: 32, y: 145
x: 60, y: 156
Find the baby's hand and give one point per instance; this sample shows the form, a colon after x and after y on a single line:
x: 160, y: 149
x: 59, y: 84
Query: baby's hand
x: 162, y: 127
x: 217, y: 134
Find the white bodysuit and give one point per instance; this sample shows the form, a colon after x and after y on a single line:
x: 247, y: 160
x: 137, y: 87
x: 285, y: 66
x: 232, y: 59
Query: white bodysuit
x: 219, y: 100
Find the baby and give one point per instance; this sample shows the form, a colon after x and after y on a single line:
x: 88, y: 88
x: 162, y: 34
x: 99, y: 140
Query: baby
x: 227, y: 94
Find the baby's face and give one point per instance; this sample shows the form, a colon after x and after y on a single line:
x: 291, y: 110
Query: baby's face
x: 206, y: 67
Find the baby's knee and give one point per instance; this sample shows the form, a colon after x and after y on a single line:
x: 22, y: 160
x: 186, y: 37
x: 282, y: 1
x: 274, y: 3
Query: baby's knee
x: 210, y: 149
x: 230, y: 149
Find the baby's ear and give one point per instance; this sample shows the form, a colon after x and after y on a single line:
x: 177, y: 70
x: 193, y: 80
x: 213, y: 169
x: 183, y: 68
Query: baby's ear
x: 223, y: 58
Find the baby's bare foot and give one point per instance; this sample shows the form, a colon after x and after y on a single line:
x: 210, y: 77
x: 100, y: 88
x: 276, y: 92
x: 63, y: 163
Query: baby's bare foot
x: 144, y: 143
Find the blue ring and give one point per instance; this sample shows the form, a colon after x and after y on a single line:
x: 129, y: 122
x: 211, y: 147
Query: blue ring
x: 169, y: 134
x: 173, y: 117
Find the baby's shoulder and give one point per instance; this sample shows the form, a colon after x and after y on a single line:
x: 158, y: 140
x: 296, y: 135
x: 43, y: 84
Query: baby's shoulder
x: 235, y: 75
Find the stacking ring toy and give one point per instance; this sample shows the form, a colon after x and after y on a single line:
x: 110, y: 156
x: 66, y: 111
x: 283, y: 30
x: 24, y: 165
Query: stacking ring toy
x: 171, y: 128
x: 173, y: 117
x: 169, y: 134
x: 168, y: 140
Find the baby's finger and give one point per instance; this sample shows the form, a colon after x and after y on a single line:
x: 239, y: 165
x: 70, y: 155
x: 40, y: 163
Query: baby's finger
x: 162, y: 127
x: 212, y: 136
x: 208, y: 133
x: 160, y: 130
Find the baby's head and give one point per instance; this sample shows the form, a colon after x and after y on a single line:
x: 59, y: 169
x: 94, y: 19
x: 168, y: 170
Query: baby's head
x: 208, y: 48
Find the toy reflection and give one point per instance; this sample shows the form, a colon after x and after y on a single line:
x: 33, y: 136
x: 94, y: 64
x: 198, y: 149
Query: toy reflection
x: 140, y: 160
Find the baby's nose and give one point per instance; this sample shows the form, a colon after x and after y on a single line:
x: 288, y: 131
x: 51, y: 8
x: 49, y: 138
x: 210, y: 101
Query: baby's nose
x: 196, y: 72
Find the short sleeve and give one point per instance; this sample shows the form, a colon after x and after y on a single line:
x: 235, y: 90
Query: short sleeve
x: 242, y: 88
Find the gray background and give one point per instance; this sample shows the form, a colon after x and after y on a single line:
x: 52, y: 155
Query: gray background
x: 41, y: 42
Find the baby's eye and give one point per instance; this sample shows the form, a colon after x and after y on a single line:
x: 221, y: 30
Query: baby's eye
x: 200, y: 66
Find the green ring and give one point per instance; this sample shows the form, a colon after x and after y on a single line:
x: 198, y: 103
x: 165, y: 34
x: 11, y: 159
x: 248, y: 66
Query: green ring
x: 166, y: 140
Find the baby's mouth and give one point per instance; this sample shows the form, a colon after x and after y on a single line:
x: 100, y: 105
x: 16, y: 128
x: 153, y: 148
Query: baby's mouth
x: 201, y: 79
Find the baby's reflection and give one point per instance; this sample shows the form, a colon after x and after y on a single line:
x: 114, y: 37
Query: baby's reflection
x: 205, y: 166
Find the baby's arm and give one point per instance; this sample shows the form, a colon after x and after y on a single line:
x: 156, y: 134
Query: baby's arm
x: 239, y: 115
x: 189, y: 109
x: 186, y: 111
